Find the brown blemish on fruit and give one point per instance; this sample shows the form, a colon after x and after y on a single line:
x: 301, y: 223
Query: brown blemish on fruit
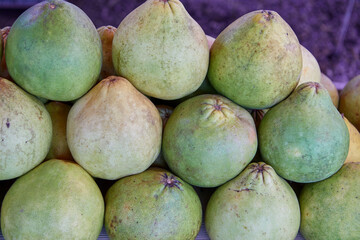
x: 242, y: 190
x: 52, y: 6
x: 7, y: 122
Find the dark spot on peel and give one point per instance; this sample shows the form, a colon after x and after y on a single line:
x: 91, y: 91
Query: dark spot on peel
x: 7, y: 122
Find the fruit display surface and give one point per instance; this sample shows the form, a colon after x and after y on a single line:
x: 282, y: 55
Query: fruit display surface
x: 155, y: 130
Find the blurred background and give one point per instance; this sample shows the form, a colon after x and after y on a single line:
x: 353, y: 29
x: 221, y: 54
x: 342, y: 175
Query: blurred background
x: 330, y: 29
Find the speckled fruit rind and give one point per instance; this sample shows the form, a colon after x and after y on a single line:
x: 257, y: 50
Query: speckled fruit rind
x: 208, y: 140
x: 257, y: 204
x: 330, y: 209
x: 310, y: 67
x: 350, y: 101
x: 56, y: 200
x: 330, y: 86
x: 25, y: 131
x: 154, y: 204
x: 161, y: 50
x: 354, y: 144
x: 54, y: 51
x: 304, y: 138
x: 59, y: 148
x: 256, y: 61
x: 106, y: 34
x: 114, y: 130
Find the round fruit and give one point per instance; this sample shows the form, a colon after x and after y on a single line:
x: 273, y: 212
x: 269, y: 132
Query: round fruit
x: 56, y: 200
x: 154, y: 204
x: 256, y: 61
x: 330, y: 209
x: 53, y: 51
x: 25, y: 131
x: 208, y: 140
x: 161, y: 50
x: 350, y: 101
x: 257, y: 204
x: 304, y: 138
x: 114, y: 131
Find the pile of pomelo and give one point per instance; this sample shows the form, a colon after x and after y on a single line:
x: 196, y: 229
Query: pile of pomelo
x: 159, y: 108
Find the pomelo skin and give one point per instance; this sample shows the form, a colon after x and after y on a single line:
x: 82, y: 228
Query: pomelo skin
x: 161, y: 50
x: 256, y: 205
x: 114, y: 131
x: 208, y: 140
x: 59, y: 148
x: 350, y: 101
x: 25, y: 131
x: 256, y: 61
x: 151, y: 205
x: 56, y: 200
x: 330, y: 209
x: 106, y: 34
x: 310, y: 67
x: 304, y: 138
x: 53, y: 51
x: 165, y: 112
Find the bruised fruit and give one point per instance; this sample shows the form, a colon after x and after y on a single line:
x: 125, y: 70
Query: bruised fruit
x: 256, y: 61
x: 330, y: 86
x: 25, y: 131
x: 304, y: 138
x: 330, y: 209
x: 208, y: 140
x: 114, y: 131
x: 354, y: 144
x: 310, y: 67
x: 107, y: 35
x: 257, y: 204
x: 59, y: 148
x: 161, y: 50
x: 165, y: 112
x: 53, y: 51
x: 350, y: 101
x: 154, y: 204
x: 56, y: 200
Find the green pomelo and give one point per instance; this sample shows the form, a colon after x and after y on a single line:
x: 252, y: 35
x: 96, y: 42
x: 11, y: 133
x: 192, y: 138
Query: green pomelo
x: 161, y: 50
x: 256, y: 205
x: 349, y: 103
x: 25, y: 131
x: 56, y: 200
x: 59, y: 148
x: 256, y: 61
x: 304, y: 138
x: 114, y: 130
x: 208, y: 140
x: 154, y: 204
x: 53, y: 51
x: 330, y: 209
x: 310, y: 67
